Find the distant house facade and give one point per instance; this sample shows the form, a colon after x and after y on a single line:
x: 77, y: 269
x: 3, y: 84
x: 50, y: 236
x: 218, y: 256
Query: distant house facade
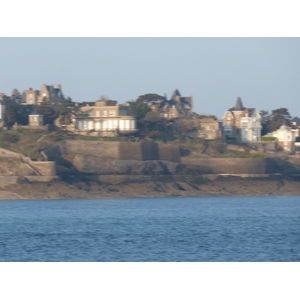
x: 35, y: 119
x: 51, y: 93
x: 286, y: 137
x: 2, y: 113
x: 210, y: 128
x: 105, y: 118
x: 205, y: 127
x: 295, y: 122
x: 16, y: 97
x: 176, y: 107
x: 242, y: 124
x: 48, y: 92
x: 30, y: 97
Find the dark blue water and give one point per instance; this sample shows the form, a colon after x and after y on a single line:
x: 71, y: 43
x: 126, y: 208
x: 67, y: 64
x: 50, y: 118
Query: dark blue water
x: 151, y: 229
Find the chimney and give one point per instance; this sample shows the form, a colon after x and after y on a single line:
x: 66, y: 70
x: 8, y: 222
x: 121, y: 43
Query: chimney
x: 59, y: 86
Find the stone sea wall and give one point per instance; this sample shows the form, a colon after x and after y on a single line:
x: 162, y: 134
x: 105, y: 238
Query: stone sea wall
x: 116, y: 150
x: 240, y: 166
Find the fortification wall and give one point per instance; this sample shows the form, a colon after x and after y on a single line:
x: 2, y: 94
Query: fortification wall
x: 44, y: 168
x: 233, y: 165
x: 52, y: 153
x: 15, y: 167
x: 95, y: 148
x: 97, y: 165
x: 4, y: 153
x: 169, y: 152
x: 116, y: 150
x: 128, y: 151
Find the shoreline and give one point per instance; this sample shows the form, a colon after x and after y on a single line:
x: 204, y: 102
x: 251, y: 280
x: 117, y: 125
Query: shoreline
x: 220, y: 187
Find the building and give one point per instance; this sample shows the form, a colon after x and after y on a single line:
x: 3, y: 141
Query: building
x: 48, y: 92
x: 51, y: 93
x: 16, y: 97
x: 2, y: 113
x: 209, y: 128
x: 105, y: 118
x: 242, y: 124
x: 35, y: 119
x: 295, y: 122
x: 30, y: 97
x: 286, y: 138
x: 176, y: 107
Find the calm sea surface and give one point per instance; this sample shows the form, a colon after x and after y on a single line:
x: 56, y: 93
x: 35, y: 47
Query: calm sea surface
x: 151, y: 229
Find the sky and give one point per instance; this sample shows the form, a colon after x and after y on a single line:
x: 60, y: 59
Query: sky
x: 264, y: 72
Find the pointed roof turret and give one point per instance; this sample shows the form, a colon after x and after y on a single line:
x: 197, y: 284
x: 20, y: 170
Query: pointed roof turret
x: 239, y: 104
x: 176, y: 93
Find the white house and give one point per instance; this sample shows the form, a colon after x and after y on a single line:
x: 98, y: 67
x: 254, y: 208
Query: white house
x: 2, y: 112
x: 105, y: 118
x: 286, y: 137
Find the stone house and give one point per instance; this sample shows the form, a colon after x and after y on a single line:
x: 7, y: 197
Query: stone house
x: 30, y: 97
x: 104, y: 118
x: 176, y: 107
x: 35, y: 119
x: 205, y: 127
x: 209, y: 128
x: 241, y: 123
x: 49, y: 92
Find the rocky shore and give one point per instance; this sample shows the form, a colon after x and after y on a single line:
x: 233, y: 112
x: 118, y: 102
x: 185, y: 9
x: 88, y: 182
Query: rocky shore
x: 222, y: 186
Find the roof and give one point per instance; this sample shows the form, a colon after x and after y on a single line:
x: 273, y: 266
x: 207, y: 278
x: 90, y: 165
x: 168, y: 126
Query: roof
x: 35, y: 113
x: 283, y: 127
x: 297, y: 120
x: 176, y: 93
x: 239, y: 104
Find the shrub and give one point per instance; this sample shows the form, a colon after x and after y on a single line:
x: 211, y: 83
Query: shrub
x: 268, y: 138
x: 10, y: 138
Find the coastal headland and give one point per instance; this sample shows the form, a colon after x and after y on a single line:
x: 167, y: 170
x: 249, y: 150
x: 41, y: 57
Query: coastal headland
x: 103, y: 169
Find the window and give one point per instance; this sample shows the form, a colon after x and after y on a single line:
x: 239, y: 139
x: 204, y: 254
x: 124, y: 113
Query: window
x: 97, y: 113
x: 112, y: 113
x: 104, y: 113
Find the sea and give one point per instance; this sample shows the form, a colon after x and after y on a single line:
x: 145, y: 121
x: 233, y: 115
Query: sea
x: 192, y: 229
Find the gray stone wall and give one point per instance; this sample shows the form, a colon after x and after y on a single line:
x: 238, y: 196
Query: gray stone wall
x: 232, y: 165
x: 96, y: 148
x: 97, y: 165
x: 116, y: 150
x: 169, y: 152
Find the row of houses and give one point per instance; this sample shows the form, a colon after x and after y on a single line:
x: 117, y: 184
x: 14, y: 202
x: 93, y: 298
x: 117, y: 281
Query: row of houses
x: 108, y: 118
x: 36, y: 97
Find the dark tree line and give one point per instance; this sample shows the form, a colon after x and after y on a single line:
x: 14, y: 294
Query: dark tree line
x: 18, y: 113
x: 279, y: 117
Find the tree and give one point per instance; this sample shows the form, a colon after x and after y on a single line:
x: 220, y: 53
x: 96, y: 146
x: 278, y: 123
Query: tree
x: 11, y: 111
x: 47, y: 111
x: 65, y: 111
x: 279, y: 117
x: 148, y: 98
x: 152, y: 116
x: 139, y: 110
x: 264, y: 113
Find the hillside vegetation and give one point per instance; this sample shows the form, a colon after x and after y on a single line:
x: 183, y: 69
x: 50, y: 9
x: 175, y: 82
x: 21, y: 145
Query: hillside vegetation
x: 30, y: 142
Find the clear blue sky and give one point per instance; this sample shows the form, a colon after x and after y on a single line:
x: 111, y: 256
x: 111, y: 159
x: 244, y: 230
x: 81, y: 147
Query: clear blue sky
x: 265, y: 72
